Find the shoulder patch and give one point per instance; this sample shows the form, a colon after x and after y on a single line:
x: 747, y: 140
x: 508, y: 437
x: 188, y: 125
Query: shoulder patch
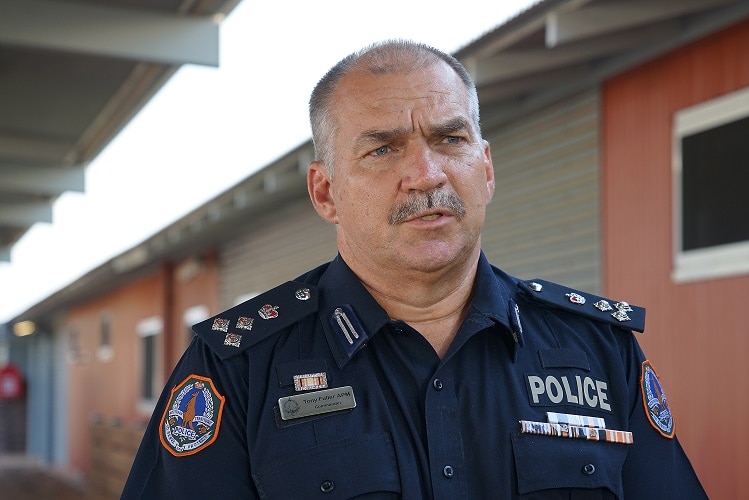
x: 242, y: 326
x: 192, y: 418
x: 654, y: 400
x: 618, y: 313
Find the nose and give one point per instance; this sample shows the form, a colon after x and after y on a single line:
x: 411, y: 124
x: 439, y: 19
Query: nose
x: 423, y: 169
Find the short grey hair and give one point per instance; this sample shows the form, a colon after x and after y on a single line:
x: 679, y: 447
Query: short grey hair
x: 390, y: 56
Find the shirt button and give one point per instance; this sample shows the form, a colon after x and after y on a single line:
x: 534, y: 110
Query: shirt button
x: 437, y: 384
x: 448, y: 471
x: 589, y: 469
x: 327, y: 486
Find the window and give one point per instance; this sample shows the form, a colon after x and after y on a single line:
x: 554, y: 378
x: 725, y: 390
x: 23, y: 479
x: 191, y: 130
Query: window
x: 149, y: 331
x: 75, y: 354
x: 105, y: 352
x: 193, y: 315
x: 711, y: 176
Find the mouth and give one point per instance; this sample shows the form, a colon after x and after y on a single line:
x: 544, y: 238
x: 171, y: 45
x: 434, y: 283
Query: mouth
x: 430, y: 217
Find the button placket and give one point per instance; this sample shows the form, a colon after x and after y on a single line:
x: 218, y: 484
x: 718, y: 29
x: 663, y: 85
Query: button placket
x: 444, y: 437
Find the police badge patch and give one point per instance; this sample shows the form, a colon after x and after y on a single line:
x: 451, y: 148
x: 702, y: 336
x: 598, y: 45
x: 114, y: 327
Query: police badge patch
x: 654, y: 400
x: 192, y: 418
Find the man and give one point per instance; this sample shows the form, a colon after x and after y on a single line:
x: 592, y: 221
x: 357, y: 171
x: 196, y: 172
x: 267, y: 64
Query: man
x: 409, y: 367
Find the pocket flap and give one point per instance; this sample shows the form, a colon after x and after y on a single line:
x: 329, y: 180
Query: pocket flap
x: 342, y: 469
x: 545, y: 462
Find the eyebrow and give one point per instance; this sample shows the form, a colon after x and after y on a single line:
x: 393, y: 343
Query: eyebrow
x: 449, y: 127
x: 440, y: 129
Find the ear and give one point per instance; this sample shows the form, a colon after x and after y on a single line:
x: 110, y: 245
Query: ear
x: 318, y: 186
x: 489, y: 166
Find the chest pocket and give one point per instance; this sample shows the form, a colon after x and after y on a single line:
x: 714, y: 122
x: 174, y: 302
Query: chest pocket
x: 359, y: 466
x: 571, y: 468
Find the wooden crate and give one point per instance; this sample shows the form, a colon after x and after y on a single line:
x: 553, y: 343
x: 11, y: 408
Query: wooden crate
x: 113, y: 450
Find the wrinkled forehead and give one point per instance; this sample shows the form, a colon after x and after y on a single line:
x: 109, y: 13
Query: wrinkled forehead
x: 363, y: 95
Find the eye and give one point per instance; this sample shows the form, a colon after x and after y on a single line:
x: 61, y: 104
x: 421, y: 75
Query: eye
x: 380, y: 151
x: 453, y: 139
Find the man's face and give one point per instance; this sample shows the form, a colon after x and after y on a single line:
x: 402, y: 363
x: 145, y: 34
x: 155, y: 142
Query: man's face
x: 411, y: 177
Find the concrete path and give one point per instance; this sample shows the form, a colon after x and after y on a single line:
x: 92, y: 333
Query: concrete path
x: 24, y: 478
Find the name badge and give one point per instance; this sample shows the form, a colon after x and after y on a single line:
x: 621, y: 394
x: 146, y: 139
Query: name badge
x: 315, y: 403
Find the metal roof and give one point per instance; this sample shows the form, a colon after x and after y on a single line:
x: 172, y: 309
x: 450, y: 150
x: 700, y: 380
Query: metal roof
x: 556, y: 47
x: 72, y: 75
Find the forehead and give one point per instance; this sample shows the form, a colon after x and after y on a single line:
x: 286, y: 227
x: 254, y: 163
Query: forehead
x: 363, y: 97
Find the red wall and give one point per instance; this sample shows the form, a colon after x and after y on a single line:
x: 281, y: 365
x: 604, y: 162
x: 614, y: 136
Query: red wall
x: 696, y: 333
x: 109, y: 389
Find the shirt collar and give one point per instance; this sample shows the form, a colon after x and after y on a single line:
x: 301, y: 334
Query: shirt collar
x: 494, y: 296
x: 350, y: 316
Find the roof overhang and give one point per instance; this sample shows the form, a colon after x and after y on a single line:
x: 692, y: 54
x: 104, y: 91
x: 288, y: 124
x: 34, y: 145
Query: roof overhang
x: 557, y: 47
x: 72, y: 75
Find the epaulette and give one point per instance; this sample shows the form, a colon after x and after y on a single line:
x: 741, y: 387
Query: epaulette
x: 618, y: 313
x: 246, y: 324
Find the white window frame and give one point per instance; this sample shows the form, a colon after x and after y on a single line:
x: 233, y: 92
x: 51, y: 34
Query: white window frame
x: 147, y: 327
x: 720, y: 261
x: 194, y: 315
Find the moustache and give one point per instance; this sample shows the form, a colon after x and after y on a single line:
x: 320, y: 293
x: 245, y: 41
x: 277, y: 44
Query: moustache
x: 419, y: 201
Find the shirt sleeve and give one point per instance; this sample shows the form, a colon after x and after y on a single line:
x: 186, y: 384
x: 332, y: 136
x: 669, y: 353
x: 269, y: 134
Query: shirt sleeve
x: 214, y: 462
x: 656, y: 465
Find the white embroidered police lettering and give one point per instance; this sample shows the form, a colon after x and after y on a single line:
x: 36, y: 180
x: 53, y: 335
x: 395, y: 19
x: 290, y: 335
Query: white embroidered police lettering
x: 601, y: 388
x: 558, y: 390
x: 572, y: 398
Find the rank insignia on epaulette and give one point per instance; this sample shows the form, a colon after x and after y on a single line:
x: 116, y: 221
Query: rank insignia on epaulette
x: 248, y: 323
x: 268, y: 311
x: 619, y: 313
x: 220, y: 325
x: 244, y: 323
x: 233, y: 339
x: 192, y: 419
x: 603, y: 305
x: 575, y: 298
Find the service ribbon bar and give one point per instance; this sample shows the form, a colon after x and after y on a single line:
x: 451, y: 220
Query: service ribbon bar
x: 575, y: 431
x: 578, y: 420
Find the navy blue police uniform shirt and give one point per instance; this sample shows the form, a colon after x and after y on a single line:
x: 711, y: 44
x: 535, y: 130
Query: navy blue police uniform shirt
x: 311, y: 391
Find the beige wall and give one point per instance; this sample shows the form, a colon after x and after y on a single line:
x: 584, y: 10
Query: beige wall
x: 544, y: 220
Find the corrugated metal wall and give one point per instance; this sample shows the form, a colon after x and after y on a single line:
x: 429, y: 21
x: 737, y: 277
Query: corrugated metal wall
x: 280, y: 247
x: 544, y: 220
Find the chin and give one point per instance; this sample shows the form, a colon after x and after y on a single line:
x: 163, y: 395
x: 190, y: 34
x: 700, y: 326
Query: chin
x: 433, y: 259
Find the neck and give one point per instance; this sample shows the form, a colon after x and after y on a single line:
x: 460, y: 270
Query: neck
x: 434, y: 303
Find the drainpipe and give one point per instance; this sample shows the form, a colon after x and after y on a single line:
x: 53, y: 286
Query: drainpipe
x: 169, y: 333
